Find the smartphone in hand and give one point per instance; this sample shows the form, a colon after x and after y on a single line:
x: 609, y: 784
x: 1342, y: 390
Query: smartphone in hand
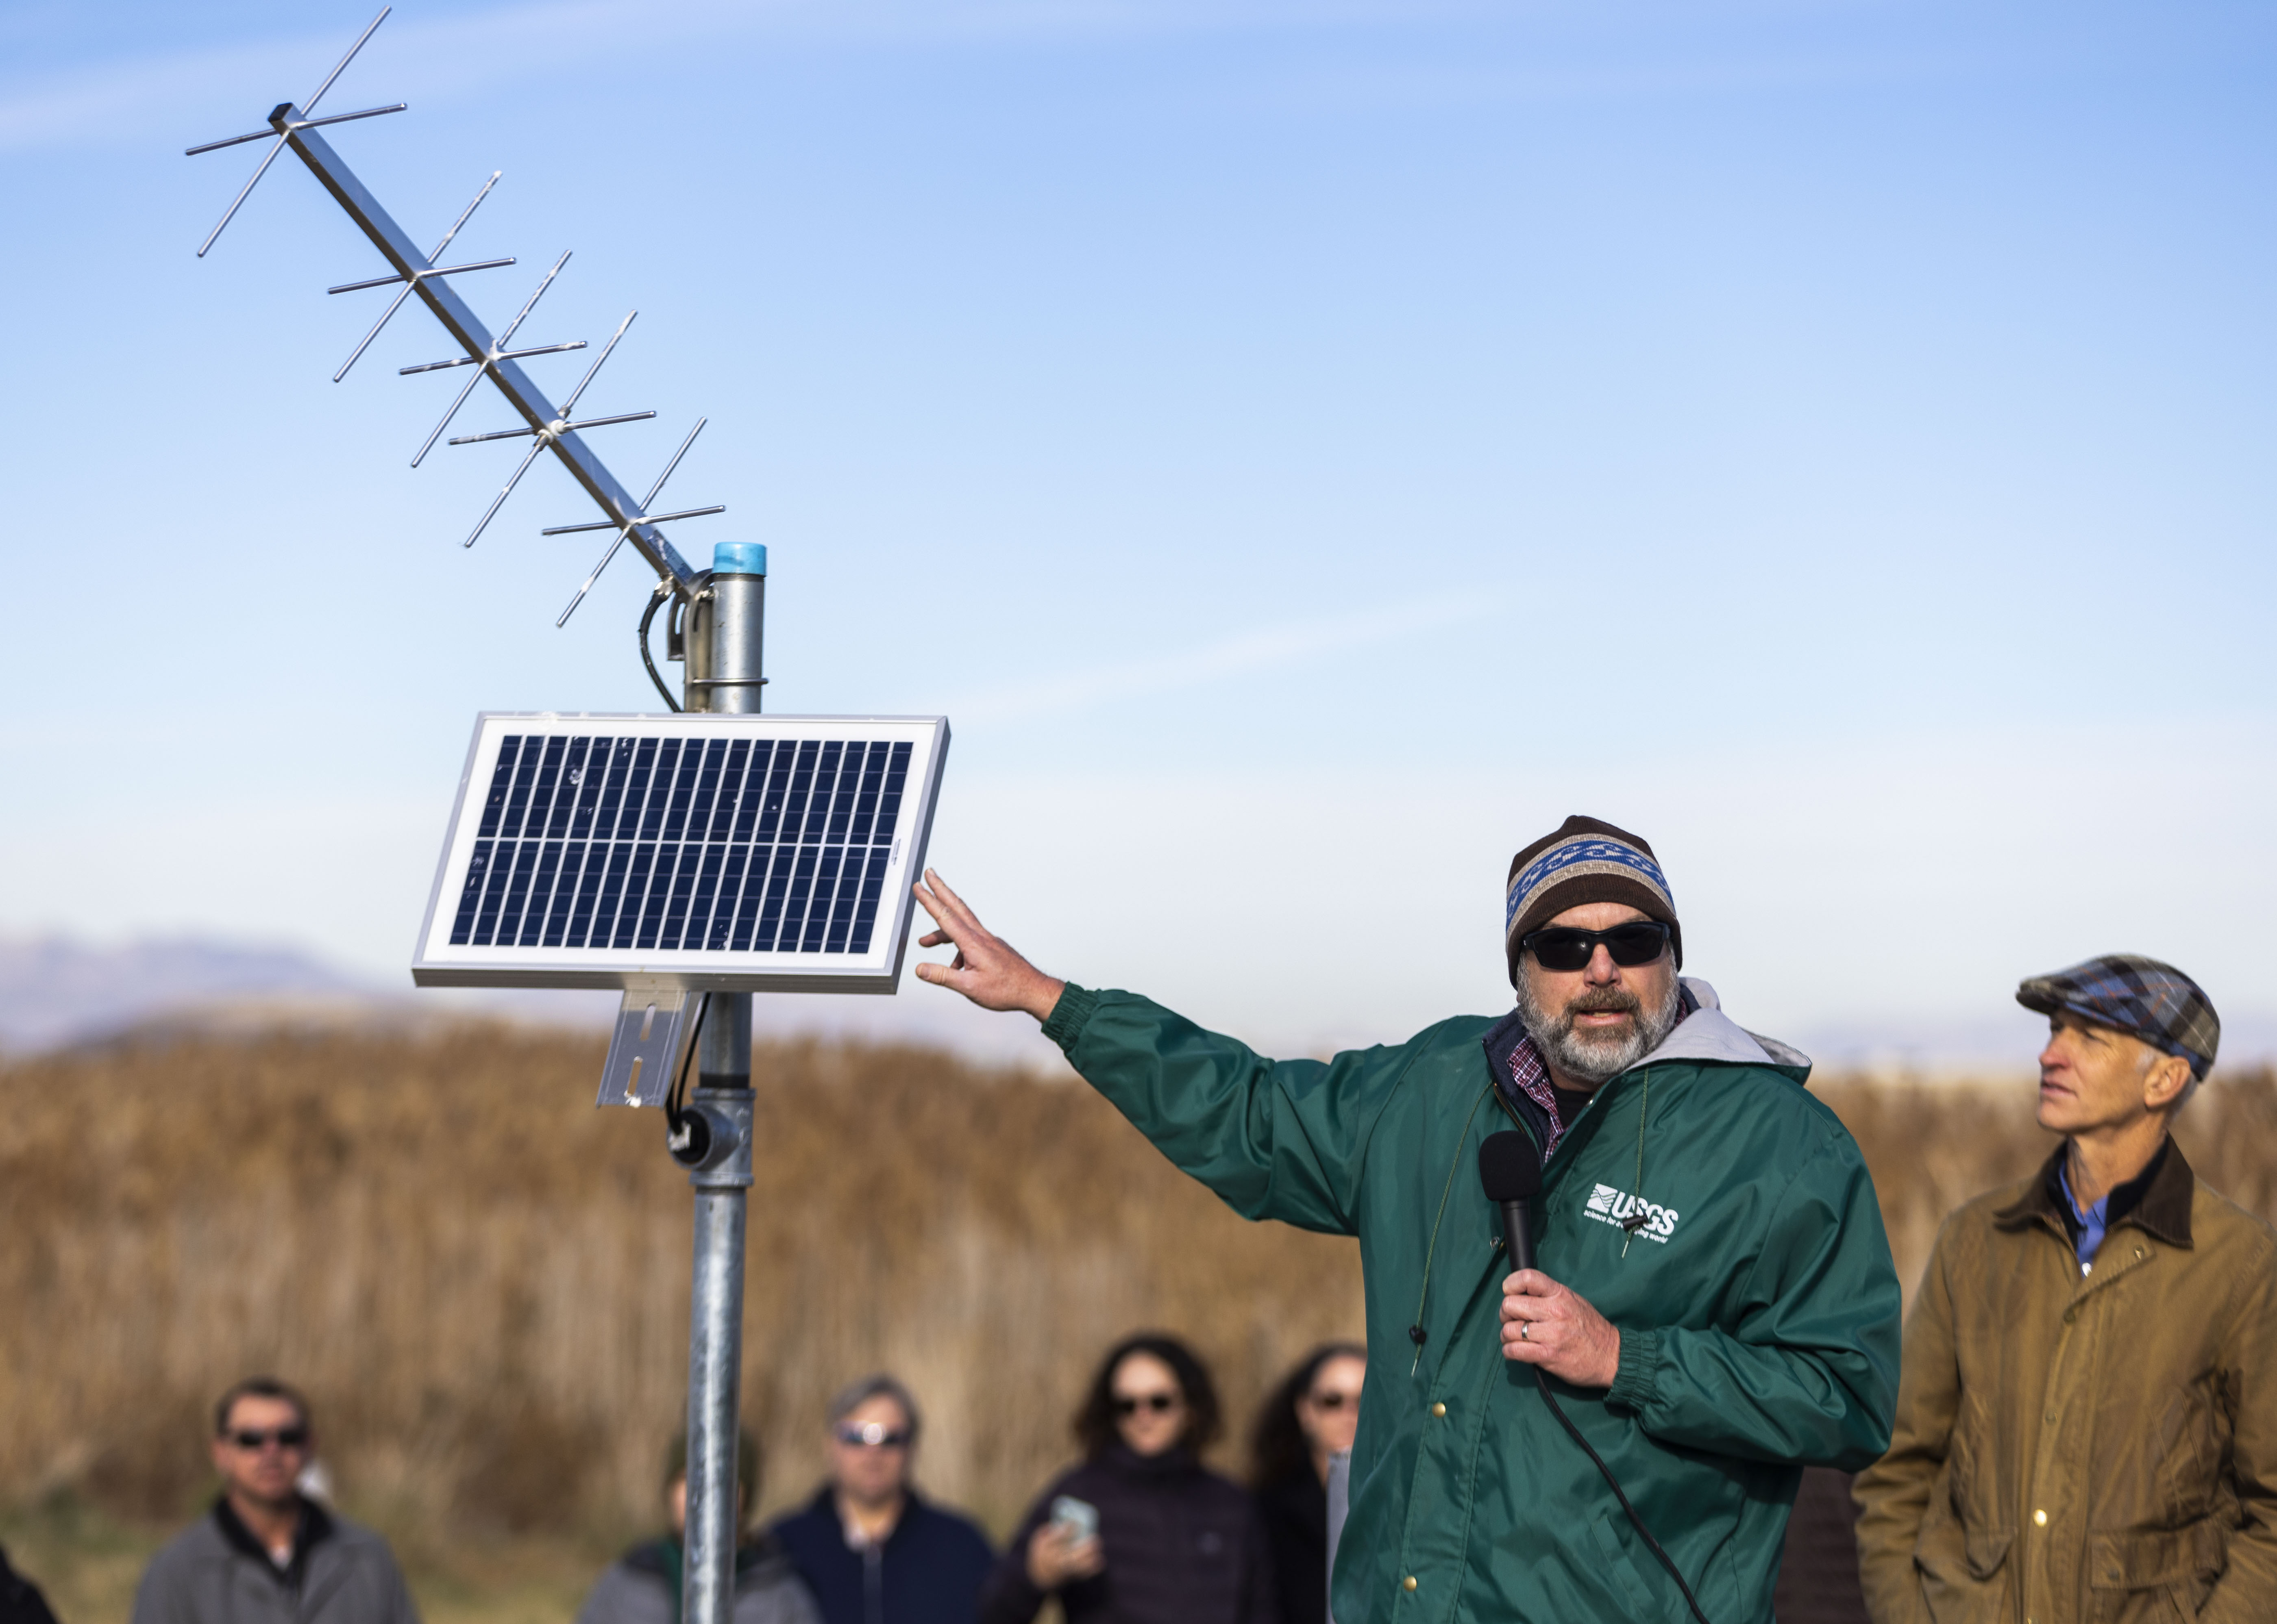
x: 1077, y: 1519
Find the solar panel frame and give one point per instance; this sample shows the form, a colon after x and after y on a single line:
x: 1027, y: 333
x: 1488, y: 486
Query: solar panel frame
x: 623, y: 850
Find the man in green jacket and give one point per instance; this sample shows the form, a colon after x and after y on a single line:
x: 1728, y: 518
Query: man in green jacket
x: 1714, y: 1307
x: 2085, y: 1426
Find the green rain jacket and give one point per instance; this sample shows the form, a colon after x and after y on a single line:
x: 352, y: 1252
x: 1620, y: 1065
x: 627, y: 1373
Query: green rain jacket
x: 1757, y: 1306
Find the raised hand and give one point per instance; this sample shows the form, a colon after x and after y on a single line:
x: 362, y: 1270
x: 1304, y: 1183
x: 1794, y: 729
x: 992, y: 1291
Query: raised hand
x: 986, y: 969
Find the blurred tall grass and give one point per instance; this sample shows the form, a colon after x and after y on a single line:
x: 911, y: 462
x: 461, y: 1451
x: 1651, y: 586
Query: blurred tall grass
x: 482, y: 1280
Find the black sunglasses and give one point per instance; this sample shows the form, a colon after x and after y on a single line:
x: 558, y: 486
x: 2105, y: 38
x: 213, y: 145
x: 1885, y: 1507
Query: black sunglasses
x: 286, y: 1437
x: 1641, y: 941
x: 1160, y: 1403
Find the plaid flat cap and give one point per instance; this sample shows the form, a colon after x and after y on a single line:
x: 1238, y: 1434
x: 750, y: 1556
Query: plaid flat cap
x: 2150, y: 1000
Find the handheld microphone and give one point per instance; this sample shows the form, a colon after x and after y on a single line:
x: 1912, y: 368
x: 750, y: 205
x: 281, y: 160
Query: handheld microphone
x: 1511, y: 1169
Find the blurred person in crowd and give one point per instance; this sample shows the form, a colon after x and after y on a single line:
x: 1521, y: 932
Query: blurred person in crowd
x: 644, y: 1586
x: 1712, y: 1308
x: 1819, y: 1579
x: 266, y: 1553
x: 871, y: 1548
x: 1141, y: 1532
x: 1310, y: 1417
x: 20, y: 1601
x: 2087, y: 1428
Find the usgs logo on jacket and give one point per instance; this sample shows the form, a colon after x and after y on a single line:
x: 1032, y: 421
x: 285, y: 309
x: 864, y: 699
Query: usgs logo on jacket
x: 1609, y: 1205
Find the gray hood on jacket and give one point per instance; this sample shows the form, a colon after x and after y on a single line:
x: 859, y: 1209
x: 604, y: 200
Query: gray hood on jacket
x: 1708, y: 1034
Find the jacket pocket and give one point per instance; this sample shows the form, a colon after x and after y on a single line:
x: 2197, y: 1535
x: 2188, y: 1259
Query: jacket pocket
x: 1644, y: 1598
x: 1986, y: 1550
x: 2136, y: 1572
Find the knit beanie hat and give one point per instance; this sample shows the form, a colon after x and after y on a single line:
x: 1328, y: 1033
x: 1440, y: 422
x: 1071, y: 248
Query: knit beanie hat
x: 1585, y: 860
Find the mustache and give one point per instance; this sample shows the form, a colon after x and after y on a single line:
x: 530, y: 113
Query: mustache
x: 1604, y: 1000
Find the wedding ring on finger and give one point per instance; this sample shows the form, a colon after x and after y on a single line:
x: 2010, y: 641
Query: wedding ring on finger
x: 1525, y: 1328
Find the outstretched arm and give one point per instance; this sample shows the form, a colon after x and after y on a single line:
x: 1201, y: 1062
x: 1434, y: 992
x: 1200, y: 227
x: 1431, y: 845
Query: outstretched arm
x: 1275, y: 1139
x: 987, y: 969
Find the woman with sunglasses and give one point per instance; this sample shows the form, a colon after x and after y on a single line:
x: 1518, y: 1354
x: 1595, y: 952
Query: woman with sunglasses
x: 1310, y: 1417
x: 1140, y: 1532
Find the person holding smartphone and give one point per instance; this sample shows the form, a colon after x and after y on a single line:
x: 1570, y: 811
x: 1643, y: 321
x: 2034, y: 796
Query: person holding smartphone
x: 1141, y: 1532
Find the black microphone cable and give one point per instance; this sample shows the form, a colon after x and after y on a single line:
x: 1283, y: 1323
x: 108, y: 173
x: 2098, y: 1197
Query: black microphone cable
x: 1614, y: 1483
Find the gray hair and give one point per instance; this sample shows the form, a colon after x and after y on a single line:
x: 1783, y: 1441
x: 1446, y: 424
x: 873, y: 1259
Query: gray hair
x: 1596, y: 1064
x: 853, y: 1396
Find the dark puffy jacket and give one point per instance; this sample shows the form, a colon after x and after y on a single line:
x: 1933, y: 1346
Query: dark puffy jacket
x: 929, y: 1570
x: 1183, y: 1546
x: 20, y: 1601
x: 1295, y: 1512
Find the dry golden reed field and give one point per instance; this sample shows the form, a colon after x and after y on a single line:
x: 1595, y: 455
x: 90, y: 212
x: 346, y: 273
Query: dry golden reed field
x: 482, y: 1280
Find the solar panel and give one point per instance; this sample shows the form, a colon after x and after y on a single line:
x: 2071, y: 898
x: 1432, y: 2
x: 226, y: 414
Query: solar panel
x: 702, y: 851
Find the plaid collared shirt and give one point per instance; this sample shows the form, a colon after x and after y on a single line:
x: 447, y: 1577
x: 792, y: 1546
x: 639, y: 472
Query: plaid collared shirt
x: 1531, y: 1077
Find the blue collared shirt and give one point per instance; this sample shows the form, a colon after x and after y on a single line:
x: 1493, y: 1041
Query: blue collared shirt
x: 2087, y: 1228
x: 2092, y: 1223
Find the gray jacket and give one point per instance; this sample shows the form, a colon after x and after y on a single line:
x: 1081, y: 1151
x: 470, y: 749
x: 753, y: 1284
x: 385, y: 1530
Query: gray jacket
x: 644, y: 1587
x: 216, y: 1573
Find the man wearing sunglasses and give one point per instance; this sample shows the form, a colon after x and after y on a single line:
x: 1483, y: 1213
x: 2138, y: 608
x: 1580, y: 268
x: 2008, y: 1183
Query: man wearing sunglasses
x: 1713, y: 1305
x: 266, y: 1553
x: 871, y: 1548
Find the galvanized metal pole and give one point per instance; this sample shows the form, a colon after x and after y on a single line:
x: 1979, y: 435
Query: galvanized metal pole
x: 723, y: 643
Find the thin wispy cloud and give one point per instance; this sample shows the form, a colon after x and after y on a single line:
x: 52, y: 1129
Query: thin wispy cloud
x: 187, y: 96
x: 129, y: 98
x: 1261, y: 648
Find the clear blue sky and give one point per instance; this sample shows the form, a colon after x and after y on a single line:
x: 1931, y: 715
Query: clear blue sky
x: 1307, y: 450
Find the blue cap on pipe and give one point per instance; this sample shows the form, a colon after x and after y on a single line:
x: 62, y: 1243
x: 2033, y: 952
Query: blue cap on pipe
x: 739, y: 558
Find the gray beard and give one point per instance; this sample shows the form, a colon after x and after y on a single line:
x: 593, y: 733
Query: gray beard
x: 1593, y: 1059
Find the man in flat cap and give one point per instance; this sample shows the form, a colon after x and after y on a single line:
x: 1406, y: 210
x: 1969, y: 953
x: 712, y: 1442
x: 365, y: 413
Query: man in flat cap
x: 2087, y: 1425
x: 1714, y: 1305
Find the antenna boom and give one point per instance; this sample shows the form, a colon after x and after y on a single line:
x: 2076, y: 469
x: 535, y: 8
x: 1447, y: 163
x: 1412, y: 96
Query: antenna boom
x: 521, y: 391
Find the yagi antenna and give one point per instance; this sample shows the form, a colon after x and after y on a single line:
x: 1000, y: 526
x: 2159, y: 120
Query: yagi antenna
x: 548, y: 427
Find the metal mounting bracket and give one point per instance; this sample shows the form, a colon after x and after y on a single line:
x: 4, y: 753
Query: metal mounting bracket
x: 654, y: 1026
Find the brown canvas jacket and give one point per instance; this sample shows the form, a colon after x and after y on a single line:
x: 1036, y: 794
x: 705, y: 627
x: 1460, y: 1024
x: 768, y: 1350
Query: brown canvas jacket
x: 2083, y: 1450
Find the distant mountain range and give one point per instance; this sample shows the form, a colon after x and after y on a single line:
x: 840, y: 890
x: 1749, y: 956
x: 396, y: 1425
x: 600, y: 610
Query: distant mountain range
x: 55, y: 992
